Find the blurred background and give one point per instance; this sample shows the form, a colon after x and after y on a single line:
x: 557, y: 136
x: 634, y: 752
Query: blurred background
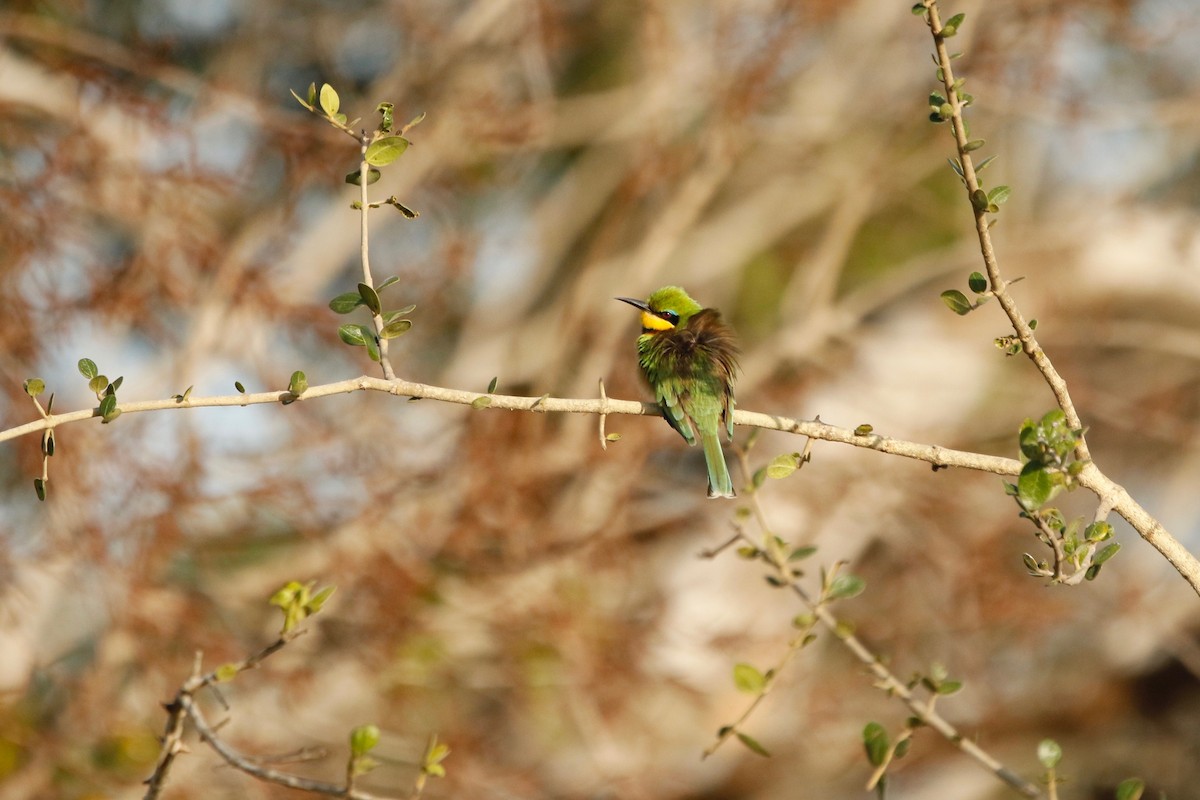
x: 172, y: 213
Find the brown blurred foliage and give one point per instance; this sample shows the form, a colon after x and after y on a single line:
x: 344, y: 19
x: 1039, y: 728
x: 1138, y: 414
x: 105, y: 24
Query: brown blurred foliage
x: 170, y: 212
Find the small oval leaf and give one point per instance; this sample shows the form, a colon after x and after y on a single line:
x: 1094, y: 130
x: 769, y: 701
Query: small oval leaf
x: 753, y: 745
x: 88, y: 368
x: 384, y: 151
x: 845, y: 586
x: 352, y: 335
x: 330, y: 102
x: 345, y: 303
x: 369, y: 297
x: 397, y: 328
x: 748, y: 679
x: 355, y: 177
x: 956, y: 301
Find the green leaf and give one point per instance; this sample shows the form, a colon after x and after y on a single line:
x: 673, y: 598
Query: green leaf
x: 952, y: 24
x: 34, y: 386
x: 845, y: 586
x: 87, y: 368
x: 225, y: 673
x: 300, y: 99
x: 949, y: 687
x: 238, y: 385
x: 39, y: 486
x: 801, y: 553
x: 977, y: 283
x: 397, y: 328
x: 612, y: 437
x: 936, y: 100
x: 403, y: 209
x: 758, y: 478
x: 1106, y: 553
x: 355, y: 177
x: 1098, y: 531
x: 753, y: 745
x: 373, y: 349
x: 107, y: 405
x: 998, y: 195
x: 98, y: 384
x: 48, y: 442
x: 875, y: 742
x: 956, y: 301
x: 974, y: 144
x: 387, y: 283
x: 1130, y: 789
x: 354, y: 335
x: 363, y: 740
x: 345, y: 303
x: 388, y: 316
x: 1049, y: 753
x: 483, y: 401
x: 330, y: 103
x: 384, y: 151
x: 298, y: 383
x: 863, y: 430
x: 782, y: 465
x: 370, y: 298
x: 748, y: 679
x: 414, y: 122
x: 492, y: 384
x: 982, y: 165
x: 386, y: 118
x: 957, y: 167
x: 979, y: 200
x: 918, y: 9
x: 1036, y: 485
x: 318, y: 600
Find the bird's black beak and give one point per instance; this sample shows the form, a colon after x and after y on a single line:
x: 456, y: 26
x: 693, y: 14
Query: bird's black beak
x: 635, y: 303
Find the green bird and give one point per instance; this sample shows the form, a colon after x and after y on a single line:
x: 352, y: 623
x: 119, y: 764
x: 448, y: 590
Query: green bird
x: 689, y: 357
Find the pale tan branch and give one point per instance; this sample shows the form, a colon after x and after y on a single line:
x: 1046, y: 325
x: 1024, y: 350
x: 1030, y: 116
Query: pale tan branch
x: 939, y: 457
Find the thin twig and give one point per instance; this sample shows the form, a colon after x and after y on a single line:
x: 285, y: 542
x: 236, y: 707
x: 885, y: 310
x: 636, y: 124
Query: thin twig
x: 886, y: 680
x: 364, y: 170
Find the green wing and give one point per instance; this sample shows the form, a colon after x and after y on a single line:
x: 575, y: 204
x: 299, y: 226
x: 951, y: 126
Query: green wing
x: 671, y: 398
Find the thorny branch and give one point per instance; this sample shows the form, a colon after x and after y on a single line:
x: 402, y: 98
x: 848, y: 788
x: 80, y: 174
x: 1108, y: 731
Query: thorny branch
x: 1091, y: 478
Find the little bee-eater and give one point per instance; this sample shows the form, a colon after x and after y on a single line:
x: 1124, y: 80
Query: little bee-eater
x: 689, y: 358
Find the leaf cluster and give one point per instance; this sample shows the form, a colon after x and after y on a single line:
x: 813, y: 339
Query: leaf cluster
x: 298, y: 602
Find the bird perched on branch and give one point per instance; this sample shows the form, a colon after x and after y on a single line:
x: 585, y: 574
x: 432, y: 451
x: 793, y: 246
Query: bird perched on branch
x: 689, y: 357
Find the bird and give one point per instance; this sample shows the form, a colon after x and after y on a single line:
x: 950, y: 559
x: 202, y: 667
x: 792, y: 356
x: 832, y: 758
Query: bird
x: 689, y: 356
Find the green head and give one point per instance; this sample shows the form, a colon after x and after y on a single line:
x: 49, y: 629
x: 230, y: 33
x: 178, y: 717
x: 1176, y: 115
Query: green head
x: 668, y: 308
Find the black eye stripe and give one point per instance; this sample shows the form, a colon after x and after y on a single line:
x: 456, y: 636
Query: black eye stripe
x: 669, y: 316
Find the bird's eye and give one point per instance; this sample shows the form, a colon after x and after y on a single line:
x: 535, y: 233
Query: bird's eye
x: 669, y: 316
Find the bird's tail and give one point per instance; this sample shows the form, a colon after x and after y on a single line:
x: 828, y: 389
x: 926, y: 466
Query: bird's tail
x: 719, y: 482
